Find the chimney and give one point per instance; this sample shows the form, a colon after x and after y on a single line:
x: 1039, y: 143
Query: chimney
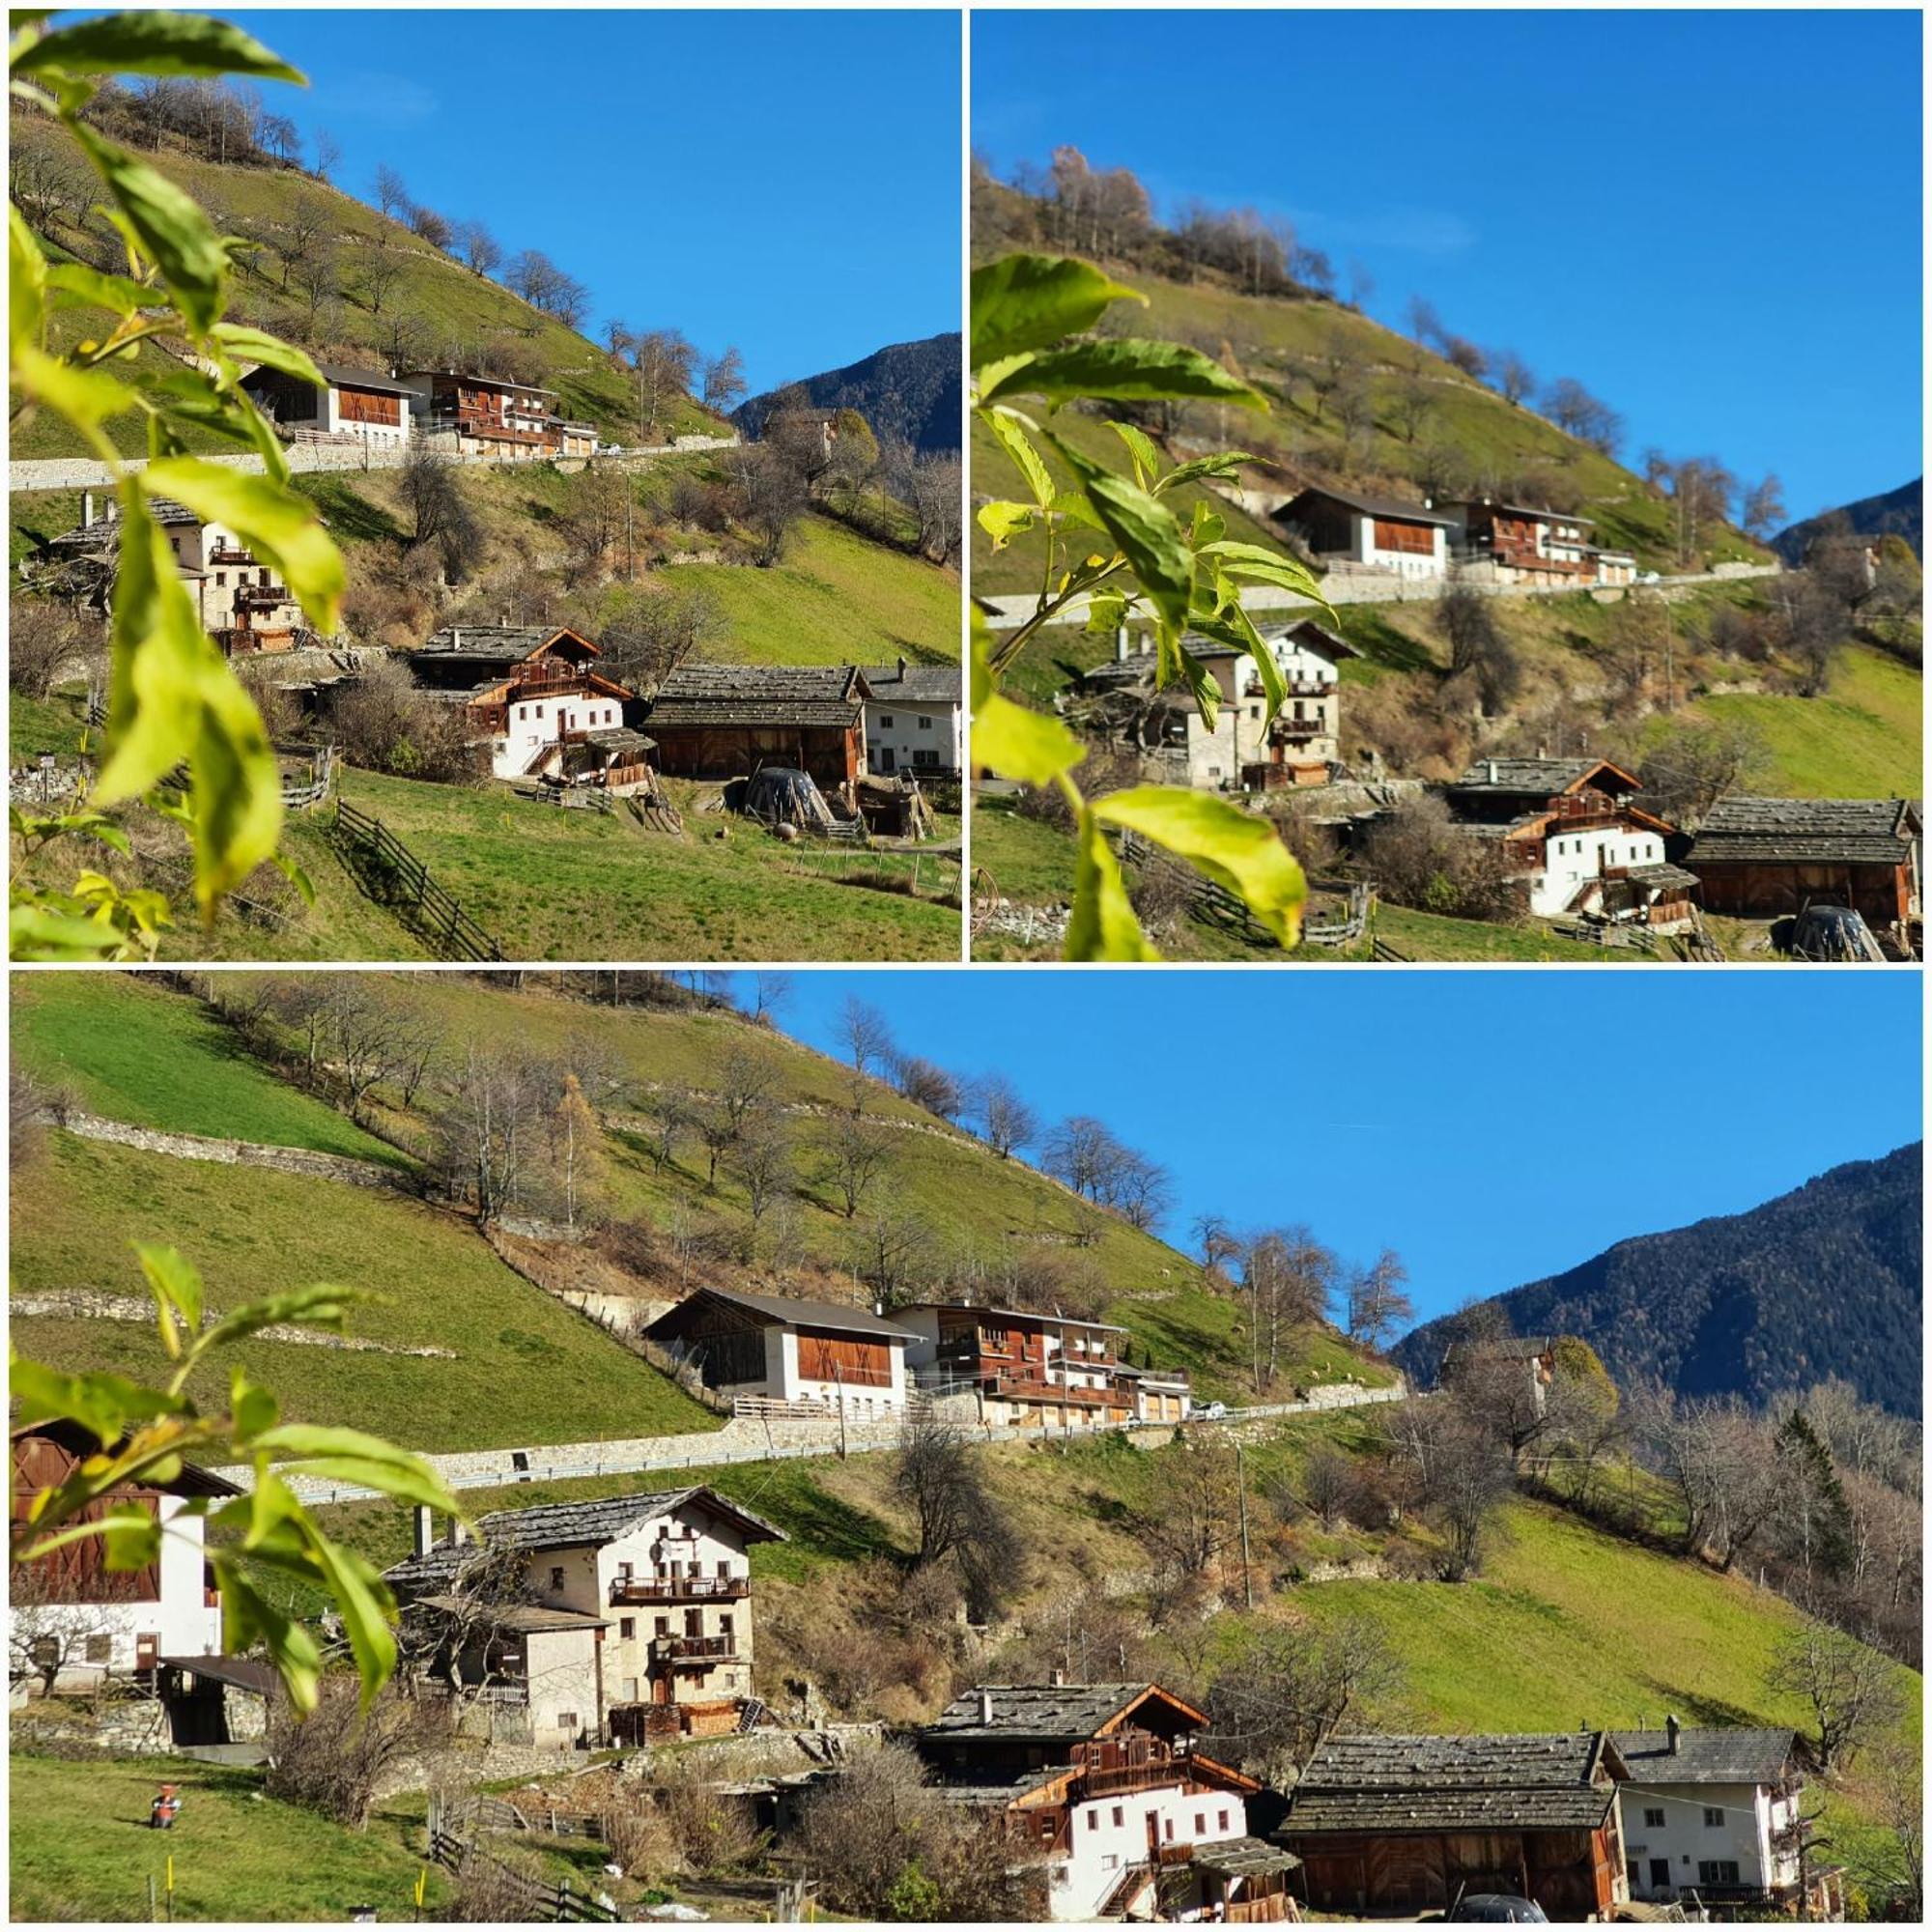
x: 459, y: 1533
x: 985, y: 1707
x: 1058, y: 1679
x: 1671, y: 1728
x: 902, y: 667
x: 425, y: 1537
x: 1120, y: 643
x: 87, y: 509
x: 1493, y: 771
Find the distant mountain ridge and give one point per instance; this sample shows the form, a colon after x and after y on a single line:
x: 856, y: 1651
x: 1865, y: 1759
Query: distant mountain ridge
x: 1899, y: 512
x: 908, y: 392
x: 1823, y: 1281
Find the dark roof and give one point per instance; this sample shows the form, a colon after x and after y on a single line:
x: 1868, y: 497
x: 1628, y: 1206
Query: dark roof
x: 485, y: 382
x: 1538, y: 777
x: 1661, y: 876
x: 1542, y: 511
x: 498, y: 643
x: 917, y: 684
x: 1368, y: 506
x: 1019, y: 1315
x: 1056, y: 1713
x: 843, y: 1316
x: 1331, y: 644
x: 339, y: 375
x: 713, y: 695
x: 1544, y: 1781
x: 570, y: 1527
x: 107, y: 527
x: 1715, y: 1755
x: 1851, y: 831
x: 521, y: 1619
x: 245, y: 1673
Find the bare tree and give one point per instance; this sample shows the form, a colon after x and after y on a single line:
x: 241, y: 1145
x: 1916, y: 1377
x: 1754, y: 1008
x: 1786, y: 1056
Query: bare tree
x: 666, y: 366
x: 772, y: 495
x: 432, y: 227
x: 1853, y: 1689
x: 854, y: 1152
x: 326, y: 153
x: 763, y: 1163
x: 1379, y: 1303
x: 863, y: 1034
x: 478, y: 247
x: 725, y: 380
x: 392, y: 194
x: 893, y: 1254
x: 1287, y: 1278
x: 955, y: 1513
x: 1006, y: 1122
x: 1294, y: 1687
x: 1515, y: 377
x: 651, y: 634
x: 1764, y: 507
x: 377, y: 271
x: 1193, y: 1513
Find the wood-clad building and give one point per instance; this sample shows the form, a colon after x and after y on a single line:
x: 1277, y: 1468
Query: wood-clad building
x: 716, y: 721
x: 362, y: 404
x: 1104, y: 1787
x: 1766, y: 858
x: 487, y: 415
x: 1027, y: 1368
x: 1393, y: 1827
x: 1408, y: 539
x: 776, y: 1351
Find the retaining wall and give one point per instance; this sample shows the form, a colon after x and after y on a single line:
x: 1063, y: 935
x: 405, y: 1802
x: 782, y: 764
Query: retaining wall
x: 243, y: 1153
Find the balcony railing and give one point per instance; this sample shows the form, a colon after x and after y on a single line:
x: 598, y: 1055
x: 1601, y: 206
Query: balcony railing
x: 1299, y: 727
x: 695, y: 1648
x: 678, y: 1589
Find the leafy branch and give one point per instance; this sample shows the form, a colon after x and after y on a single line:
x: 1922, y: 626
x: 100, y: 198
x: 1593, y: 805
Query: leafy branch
x: 173, y: 701
x: 1029, y: 318
x: 256, y: 1542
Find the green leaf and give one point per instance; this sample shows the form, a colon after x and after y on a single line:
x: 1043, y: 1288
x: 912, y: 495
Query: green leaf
x: 26, y: 281
x: 1239, y: 850
x: 320, y: 1306
x: 1022, y: 745
x: 1004, y: 522
x: 349, y: 1455
x: 1102, y: 924
x: 1010, y: 434
x: 248, y: 1617
x: 1256, y: 566
x: 1026, y: 302
x: 158, y: 44
x: 90, y: 288
x: 38, y: 930
x: 281, y: 526
x: 1128, y: 370
x: 1150, y: 539
x: 1204, y: 466
x: 1106, y: 613
x: 367, y: 1610
x: 172, y: 231
x: 257, y: 345
x: 174, y: 1281
x: 1175, y: 663
x: 1147, y: 458
x: 131, y: 1538
x: 294, y: 875
x: 253, y: 1409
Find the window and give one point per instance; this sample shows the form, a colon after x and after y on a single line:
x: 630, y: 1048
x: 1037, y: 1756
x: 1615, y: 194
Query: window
x: 566, y: 1721
x: 1714, y: 1817
x: 723, y: 1567
x: 1092, y: 1820
x: 1167, y: 1830
x: 1110, y: 1862
x: 1220, y: 1821
x: 661, y: 1627
x: 1653, y: 1817
x: 925, y: 723
x: 1119, y: 1815
x: 626, y: 1627
x: 101, y: 1649
x: 1716, y: 1871
x: 1200, y: 1823
x: 1660, y: 1874
x: 885, y: 720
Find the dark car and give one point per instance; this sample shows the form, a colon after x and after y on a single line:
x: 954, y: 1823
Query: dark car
x: 1496, y: 1908
x: 1832, y: 932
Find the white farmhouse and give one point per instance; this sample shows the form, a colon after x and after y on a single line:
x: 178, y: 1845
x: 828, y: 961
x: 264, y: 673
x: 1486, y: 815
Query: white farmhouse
x: 774, y: 1353
x: 1371, y: 532
x: 1714, y: 1812
x: 914, y: 718
x: 609, y: 1621
x: 351, y: 404
x: 74, y: 1623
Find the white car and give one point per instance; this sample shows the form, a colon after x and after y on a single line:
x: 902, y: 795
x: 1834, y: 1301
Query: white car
x: 1213, y: 1411
x: 1648, y: 577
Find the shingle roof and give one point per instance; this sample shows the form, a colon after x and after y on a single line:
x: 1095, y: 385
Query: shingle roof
x: 841, y: 1316
x: 521, y: 1618
x: 1854, y: 831
x: 569, y: 1526
x: 1369, y: 506
x: 1034, y: 1316
x: 1060, y: 1714
x: 1243, y: 1858
x: 916, y: 684
x: 340, y: 374
x: 1713, y: 1755
x: 1544, y: 1781
x: 1327, y: 641
x: 1537, y: 777
x: 714, y: 695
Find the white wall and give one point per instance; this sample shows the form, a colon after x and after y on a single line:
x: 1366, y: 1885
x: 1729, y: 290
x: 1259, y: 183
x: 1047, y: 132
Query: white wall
x: 917, y: 736
x: 1572, y: 858
x: 1405, y: 564
x: 1686, y: 1841
x: 1100, y: 1849
x: 860, y: 1402
x: 384, y: 435
x: 537, y: 721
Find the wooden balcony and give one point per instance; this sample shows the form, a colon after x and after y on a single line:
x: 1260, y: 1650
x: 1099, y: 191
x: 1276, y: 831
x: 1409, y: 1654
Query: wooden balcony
x: 685, y: 1651
x: 679, y: 1589
x: 1301, y: 728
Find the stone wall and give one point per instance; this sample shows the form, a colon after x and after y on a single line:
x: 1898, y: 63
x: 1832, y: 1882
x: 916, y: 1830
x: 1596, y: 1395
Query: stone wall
x: 243, y: 1153
x: 87, y: 1304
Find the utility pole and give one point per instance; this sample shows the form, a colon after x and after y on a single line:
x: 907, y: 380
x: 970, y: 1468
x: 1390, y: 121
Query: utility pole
x: 1241, y: 1486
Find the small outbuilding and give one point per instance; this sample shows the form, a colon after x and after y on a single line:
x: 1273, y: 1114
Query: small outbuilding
x: 1767, y: 858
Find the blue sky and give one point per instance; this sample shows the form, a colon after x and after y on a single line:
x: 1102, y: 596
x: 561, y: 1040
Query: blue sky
x: 1712, y: 219
x: 785, y: 181
x: 1492, y: 1126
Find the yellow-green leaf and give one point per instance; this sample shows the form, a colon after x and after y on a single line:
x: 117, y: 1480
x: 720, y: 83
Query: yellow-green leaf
x: 1004, y: 522
x: 1010, y: 432
x: 1026, y: 302
x: 1102, y: 924
x: 152, y: 43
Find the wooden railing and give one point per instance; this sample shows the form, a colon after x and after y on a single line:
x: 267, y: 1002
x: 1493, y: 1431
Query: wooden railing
x: 408, y: 882
x: 676, y: 1589
x: 696, y: 1649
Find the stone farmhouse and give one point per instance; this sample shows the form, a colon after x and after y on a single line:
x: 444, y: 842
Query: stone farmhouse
x: 75, y: 1624
x: 1712, y: 1817
x: 1767, y: 858
x: 1105, y: 1785
x: 241, y: 602
x: 1401, y: 1826
x: 915, y: 720
x: 608, y: 1622
x: 533, y: 697
x: 1301, y: 746
x: 776, y: 1355
x: 1571, y: 830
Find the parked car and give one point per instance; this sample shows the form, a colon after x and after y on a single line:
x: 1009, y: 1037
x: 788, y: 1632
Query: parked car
x: 1213, y: 1411
x: 1496, y: 1908
x: 1648, y: 577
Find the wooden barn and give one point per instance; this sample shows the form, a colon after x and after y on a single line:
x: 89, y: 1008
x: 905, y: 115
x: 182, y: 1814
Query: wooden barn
x: 1764, y: 858
x: 714, y: 720
x: 1393, y: 1827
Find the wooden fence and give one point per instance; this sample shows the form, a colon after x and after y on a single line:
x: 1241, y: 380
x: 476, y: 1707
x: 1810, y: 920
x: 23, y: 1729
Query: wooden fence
x: 530, y: 1900
x: 405, y: 880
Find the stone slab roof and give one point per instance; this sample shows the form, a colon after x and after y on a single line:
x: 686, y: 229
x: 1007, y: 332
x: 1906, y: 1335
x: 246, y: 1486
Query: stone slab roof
x: 1801, y: 831
x: 1545, y: 1808
x: 1542, y: 778
x: 1538, y: 1781
x: 916, y: 684
x: 521, y: 1619
x: 699, y: 696
x: 1063, y: 1714
x: 1243, y: 1858
x: 1706, y: 1755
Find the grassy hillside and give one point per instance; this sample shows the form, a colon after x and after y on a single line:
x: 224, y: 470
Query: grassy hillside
x: 457, y: 310
x: 81, y: 1848
x: 1278, y: 343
